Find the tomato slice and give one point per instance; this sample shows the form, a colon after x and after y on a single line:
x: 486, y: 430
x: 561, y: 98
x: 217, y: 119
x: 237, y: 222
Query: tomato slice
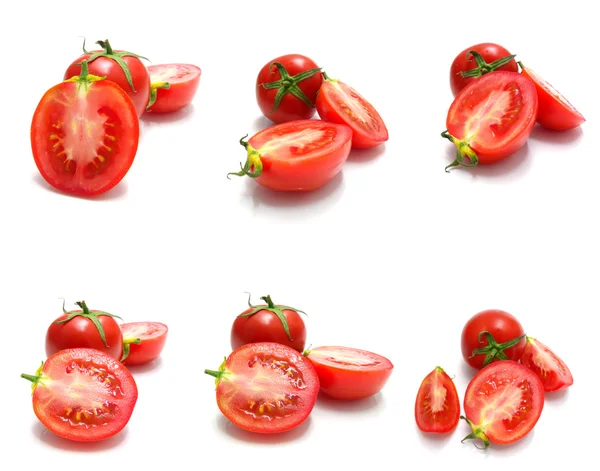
x: 143, y: 342
x: 339, y: 103
x: 83, y: 394
x: 266, y: 387
x: 349, y: 373
x: 553, y: 372
x: 437, y: 408
x: 298, y: 155
x: 491, y: 118
x: 173, y: 86
x: 555, y: 112
x: 503, y: 402
x: 84, y: 135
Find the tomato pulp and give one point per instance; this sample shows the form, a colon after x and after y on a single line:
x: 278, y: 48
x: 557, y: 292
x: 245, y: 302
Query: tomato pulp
x: 437, y: 408
x: 173, y: 86
x: 552, y: 371
x: 143, y: 342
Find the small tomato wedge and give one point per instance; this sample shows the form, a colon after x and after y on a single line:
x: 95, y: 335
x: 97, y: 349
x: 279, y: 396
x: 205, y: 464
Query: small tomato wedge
x: 297, y: 155
x: 172, y: 86
x: 553, y: 372
x: 84, y: 135
x: 554, y: 112
x: 339, y: 103
x: 349, y: 373
x: 143, y: 342
x: 266, y: 387
x: 491, y: 118
x: 437, y: 408
x: 83, y: 394
x: 503, y: 402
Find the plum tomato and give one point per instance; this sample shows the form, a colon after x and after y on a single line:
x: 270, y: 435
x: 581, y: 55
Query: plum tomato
x: 269, y: 322
x: 349, y: 373
x: 83, y: 394
x: 266, y: 387
x: 143, y: 342
x: 552, y: 371
x: 172, y: 86
x: 437, y: 408
x: 296, y: 156
x: 492, y: 335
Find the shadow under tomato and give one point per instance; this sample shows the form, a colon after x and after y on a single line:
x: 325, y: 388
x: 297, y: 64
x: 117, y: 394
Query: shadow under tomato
x: 119, y: 191
x: 176, y: 116
x: 357, y: 406
x: 541, y: 133
x: 437, y: 440
x: 365, y: 155
x: 261, y: 123
x: 50, y: 439
x: 510, y: 164
x: 262, y: 438
x: 151, y: 367
x: 557, y: 397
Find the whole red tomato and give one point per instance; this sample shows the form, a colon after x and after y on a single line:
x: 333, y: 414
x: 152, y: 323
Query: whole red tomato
x: 269, y: 323
x: 492, y: 335
x: 85, y: 329
x: 122, y: 67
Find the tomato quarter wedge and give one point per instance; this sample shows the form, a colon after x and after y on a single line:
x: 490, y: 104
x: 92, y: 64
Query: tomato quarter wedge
x: 266, y: 387
x: 143, y: 342
x: 437, y: 408
x: 552, y: 371
x: 83, y: 394
x: 172, y: 86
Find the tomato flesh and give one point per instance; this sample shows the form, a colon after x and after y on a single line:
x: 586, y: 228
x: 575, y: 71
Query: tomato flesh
x: 183, y: 80
x: 152, y: 336
x: 552, y: 371
x: 437, y: 408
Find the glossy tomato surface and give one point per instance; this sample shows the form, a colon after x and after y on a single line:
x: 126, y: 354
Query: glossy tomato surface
x: 266, y: 388
x: 183, y: 81
x: 152, y: 337
x: 437, y: 408
x: 350, y: 373
x: 550, y: 368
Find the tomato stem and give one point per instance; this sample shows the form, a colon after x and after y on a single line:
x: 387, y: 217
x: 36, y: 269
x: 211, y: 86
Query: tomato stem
x: 494, y: 350
x: 91, y: 316
x: 483, y: 67
x: 328, y: 78
x: 253, y: 166
x: 31, y: 378
x: 463, y: 152
x: 154, y: 92
x: 83, y: 306
x: 477, y: 433
x: 288, y: 84
x: 127, y: 347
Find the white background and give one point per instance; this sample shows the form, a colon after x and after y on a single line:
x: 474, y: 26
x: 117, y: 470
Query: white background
x: 393, y: 256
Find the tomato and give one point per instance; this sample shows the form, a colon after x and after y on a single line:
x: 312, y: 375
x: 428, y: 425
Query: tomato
x: 491, y: 118
x: 269, y: 323
x: 492, y: 335
x: 349, y: 373
x: 122, y: 67
x: 553, y: 372
x: 266, y: 387
x: 84, y: 135
x: 85, y: 329
x: 503, y: 402
x: 339, y: 103
x: 437, y: 408
x: 477, y: 60
x: 554, y: 111
x: 286, y: 88
x: 143, y: 342
x: 297, y: 156
x: 173, y: 86
x: 83, y: 394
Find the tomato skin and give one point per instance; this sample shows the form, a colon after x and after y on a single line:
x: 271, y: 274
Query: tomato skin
x: 550, y: 368
x: 183, y: 85
x: 437, y: 408
x: 349, y: 373
x: 503, y: 326
x: 490, y: 53
x: 153, y: 336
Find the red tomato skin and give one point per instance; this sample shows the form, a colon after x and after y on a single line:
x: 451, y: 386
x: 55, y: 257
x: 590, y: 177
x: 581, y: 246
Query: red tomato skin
x: 290, y: 108
x: 489, y: 51
x: 555, y: 376
x: 446, y: 421
x: 179, y: 94
x: 147, y: 351
x: 503, y: 327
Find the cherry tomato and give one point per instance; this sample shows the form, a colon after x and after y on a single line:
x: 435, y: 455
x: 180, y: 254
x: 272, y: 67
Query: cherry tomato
x: 269, y: 323
x: 554, y: 111
x: 553, y: 372
x: 122, y: 67
x: 297, y: 156
x: 173, y: 86
x: 487, y: 57
x: 503, y: 403
x: 85, y: 329
x: 83, y: 394
x: 266, y: 387
x: 491, y: 118
x: 143, y: 342
x: 84, y: 135
x: 349, y: 373
x: 286, y: 88
x: 437, y: 408
x: 492, y: 335
x: 339, y: 103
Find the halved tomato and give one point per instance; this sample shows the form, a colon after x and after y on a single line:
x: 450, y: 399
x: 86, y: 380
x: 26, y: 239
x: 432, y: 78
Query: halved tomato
x: 84, y: 135
x: 266, y: 387
x: 553, y: 372
x: 172, y: 86
x: 349, y: 373
x: 143, y: 342
x: 83, y: 394
x: 437, y: 408
x: 491, y: 118
x: 298, y: 155
x: 503, y: 403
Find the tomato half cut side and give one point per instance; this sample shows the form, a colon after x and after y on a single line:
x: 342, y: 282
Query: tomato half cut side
x: 172, y: 86
x: 551, y: 369
x: 437, y: 408
x: 83, y: 394
x: 266, y: 387
x: 143, y: 342
x: 298, y: 155
x: 503, y: 403
x: 349, y: 373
